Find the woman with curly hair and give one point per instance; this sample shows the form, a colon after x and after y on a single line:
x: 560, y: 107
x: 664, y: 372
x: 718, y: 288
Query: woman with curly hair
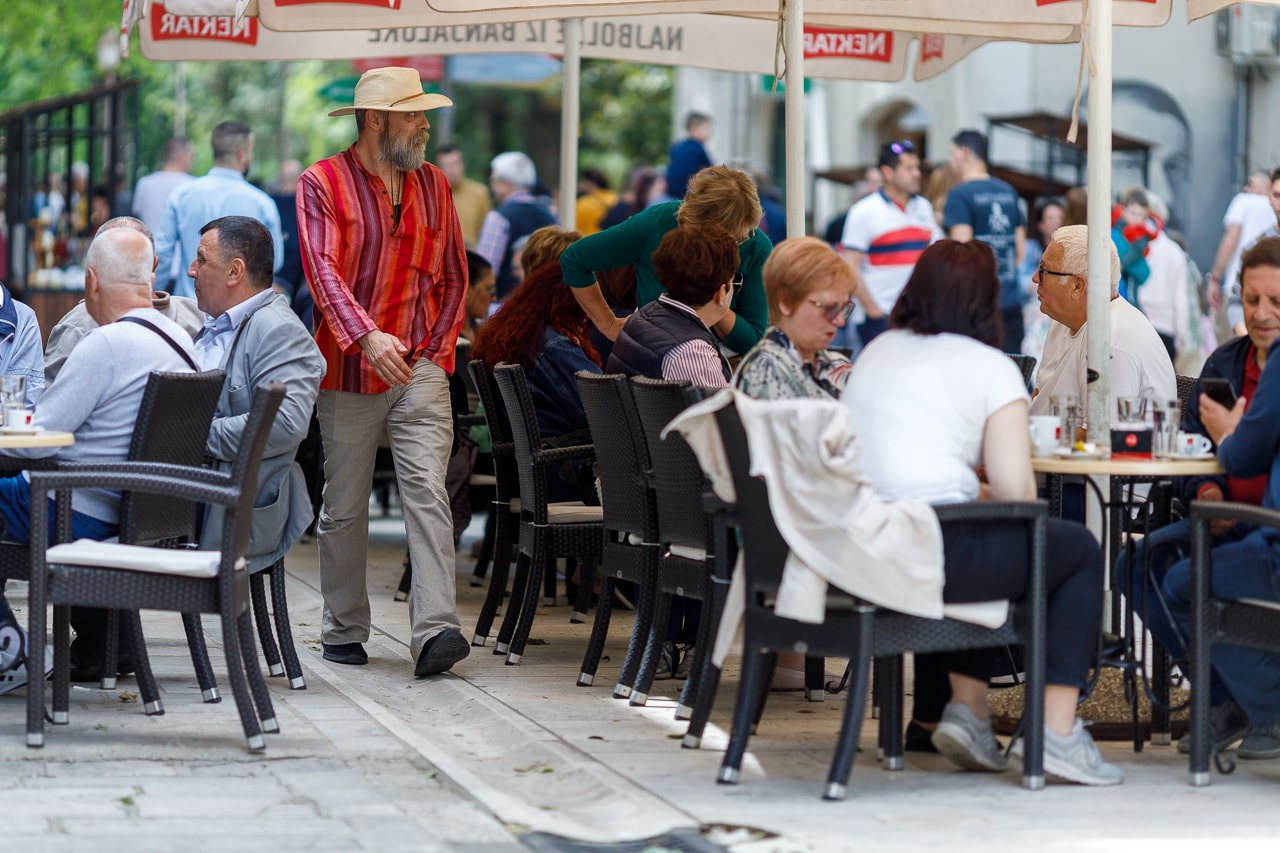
x: 541, y: 327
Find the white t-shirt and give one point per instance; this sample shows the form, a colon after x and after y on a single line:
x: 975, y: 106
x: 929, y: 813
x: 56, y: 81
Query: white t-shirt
x: 1254, y: 214
x: 920, y: 405
x: 890, y: 239
x: 1163, y: 296
x: 1140, y: 365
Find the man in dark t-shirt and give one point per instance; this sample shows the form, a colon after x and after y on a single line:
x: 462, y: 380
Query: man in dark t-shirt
x: 984, y: 208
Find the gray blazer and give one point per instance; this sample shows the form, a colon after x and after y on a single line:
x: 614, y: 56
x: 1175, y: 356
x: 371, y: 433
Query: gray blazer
x: 270, y: 345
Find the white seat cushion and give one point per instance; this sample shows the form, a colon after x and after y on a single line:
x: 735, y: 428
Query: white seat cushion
x: 137, y: 558
x: 696, y: 554
x: 573, y: 512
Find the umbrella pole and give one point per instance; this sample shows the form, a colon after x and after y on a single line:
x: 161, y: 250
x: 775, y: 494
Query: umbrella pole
x: 570, y: 109
x: 793, y: 39
x: 1099, y: 212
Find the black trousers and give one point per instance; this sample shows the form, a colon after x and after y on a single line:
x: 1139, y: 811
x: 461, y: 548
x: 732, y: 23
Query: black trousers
x: 991, y: 560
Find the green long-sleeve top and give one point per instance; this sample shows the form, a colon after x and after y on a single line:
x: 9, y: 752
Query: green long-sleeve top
x: 634, y: 242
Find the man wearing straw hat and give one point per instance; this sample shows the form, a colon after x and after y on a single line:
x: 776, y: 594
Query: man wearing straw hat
x: 383, y: 252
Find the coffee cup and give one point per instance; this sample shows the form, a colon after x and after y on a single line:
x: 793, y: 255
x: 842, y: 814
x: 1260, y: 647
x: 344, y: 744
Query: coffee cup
x: 1193, y: 444
x: 18, y: 417
x: 1045, y: 430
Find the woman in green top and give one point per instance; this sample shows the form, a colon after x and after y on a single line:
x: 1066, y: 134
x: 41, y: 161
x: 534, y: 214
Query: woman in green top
x: 718, y: 195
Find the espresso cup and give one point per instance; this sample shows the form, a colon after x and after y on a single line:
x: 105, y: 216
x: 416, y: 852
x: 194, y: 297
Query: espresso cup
x: 1193, y: 444
x: 18, y: 416
x: 1044, y: 434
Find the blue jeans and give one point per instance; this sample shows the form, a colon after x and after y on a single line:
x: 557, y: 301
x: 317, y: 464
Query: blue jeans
x: 1143, y: 589
x: 1249, y: 568
x: 15, y: 516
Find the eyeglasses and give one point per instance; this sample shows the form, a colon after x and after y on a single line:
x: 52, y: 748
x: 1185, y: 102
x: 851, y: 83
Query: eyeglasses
x: 1042, y: 272
x: 831, y: 311
x: 747, y: 238
x: 735, y: 286
x: 903, y: 146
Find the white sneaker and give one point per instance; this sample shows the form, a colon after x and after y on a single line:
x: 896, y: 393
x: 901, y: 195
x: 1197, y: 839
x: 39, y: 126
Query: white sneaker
x: 1075, y: 758
x: 966, y: 741
x: 12, y: 679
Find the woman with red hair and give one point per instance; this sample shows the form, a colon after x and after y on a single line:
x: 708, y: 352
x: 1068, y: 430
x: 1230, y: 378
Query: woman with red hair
x: 541, y: 327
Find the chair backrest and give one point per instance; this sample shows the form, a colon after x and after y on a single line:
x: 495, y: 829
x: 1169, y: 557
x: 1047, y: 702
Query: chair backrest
x: 504, y: 464
x: 763, y: 548
x: 172, y: 427
x: 238, y: 523
x: 1027, y: 364
x: 622, y: 459
x: 1186, y: 384
x: 677, y: 477
x: 525, y: 439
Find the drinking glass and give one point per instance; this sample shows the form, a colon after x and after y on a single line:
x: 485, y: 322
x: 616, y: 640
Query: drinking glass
x: 1067, y: 408
x: 13, y: 395
x: 1166, y: 416
x: 1132, y: 410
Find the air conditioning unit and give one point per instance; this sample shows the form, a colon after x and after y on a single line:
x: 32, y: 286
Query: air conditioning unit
x: 1249, y: 34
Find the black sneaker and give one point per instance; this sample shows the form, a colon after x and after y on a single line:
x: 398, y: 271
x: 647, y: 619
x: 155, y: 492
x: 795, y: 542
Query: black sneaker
x: 1227, y: 724
x: 441, y: 652
x: 686, y: 661
x: 666, y: 662
x: 352, y: 654
x: 918, y: 739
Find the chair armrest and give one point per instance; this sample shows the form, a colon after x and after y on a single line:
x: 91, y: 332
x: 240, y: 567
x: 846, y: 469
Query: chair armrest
x: 1205, y: 511
x: 470, y: 420
x: 548, y: 455
x: 194, y: 484
x: 993, y: 511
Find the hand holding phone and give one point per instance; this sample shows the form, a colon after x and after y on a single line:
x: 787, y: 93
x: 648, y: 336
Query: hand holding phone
x: 1219, y: 390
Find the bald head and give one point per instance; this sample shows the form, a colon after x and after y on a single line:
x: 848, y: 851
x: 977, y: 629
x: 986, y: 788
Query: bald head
x: 121, y: 257
x: 128, y: 222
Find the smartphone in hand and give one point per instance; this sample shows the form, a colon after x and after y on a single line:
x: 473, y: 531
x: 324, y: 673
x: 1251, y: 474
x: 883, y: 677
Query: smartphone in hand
x: 1219, y: 390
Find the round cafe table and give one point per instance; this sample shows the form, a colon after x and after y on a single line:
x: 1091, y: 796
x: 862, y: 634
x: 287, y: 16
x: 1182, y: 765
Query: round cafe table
x: 43, y: 438
x: 1121, y: 471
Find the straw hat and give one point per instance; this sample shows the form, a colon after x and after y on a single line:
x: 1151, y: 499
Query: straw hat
x: 395, y: 89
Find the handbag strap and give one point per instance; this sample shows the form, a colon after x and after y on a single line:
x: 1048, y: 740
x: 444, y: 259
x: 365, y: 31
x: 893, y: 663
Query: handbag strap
x: 168, y: 340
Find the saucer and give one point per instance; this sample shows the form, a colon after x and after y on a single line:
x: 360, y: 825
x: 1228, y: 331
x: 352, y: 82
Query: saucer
x: 1072, y: 453
x: 20, y: 430
x: 1193, y: 457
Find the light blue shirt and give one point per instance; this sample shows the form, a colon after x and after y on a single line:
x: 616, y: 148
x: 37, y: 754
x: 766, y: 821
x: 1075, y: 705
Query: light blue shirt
x: 191, y: 206
x: 218, y: 333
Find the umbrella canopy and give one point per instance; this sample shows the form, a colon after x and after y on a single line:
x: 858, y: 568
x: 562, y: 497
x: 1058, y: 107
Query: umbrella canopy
x: 1197, y: 9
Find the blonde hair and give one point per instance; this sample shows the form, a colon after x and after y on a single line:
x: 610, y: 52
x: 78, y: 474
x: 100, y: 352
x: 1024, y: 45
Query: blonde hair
x: 798, y: 267
x: 544, y: 246
x: 719, y: 195
x: 1074, y: 240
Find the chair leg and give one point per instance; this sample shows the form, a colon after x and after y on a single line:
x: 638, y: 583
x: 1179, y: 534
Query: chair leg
x: 1160, y: 728
x: 815, y: 676
x: 855, y: 706
x: 61, y: 664
x: 586, y: 588
x: 753, y: 678
x: 200, y: 657
x: 762, y: 696
x: 891, y: 711
x: 486, y: 545
x: 151, y: 703
x: 518, y: 588
x: 549, y: 586
x: 539, y: 567
x: 239, y: 683
x: 36, y: 642
x: 280, y: 610
x: 110, y: 650
x: 599, y: 634
x: 652, y: 650
x: 702, y: 650
x: 492, y: 600
x: 258, y: 598
x: 646, y: 598
x: 257, y: 684
x: 406, y: 579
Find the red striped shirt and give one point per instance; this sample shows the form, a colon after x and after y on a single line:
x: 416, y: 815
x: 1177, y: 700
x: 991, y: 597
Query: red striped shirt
x: 410, y: 282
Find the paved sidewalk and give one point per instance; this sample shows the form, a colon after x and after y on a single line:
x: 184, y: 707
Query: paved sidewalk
x: 371, y: 758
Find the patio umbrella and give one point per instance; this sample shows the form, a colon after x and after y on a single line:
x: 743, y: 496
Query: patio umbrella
x: 1197, y: 9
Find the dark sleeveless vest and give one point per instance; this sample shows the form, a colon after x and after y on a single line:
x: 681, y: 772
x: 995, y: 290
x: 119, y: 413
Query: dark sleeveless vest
x: 652, y: 332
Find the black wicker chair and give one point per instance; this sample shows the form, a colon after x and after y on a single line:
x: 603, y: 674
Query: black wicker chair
x: 504, y: 515
x: 861, y: 631
x: 98, y: 574
x: 1249, y: 622
x: 631, y: 547
x: 547, y: 530
x: 688, y: 535
x: 1026, y: 364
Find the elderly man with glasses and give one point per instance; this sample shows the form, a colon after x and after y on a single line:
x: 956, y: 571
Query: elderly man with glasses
x: 884, y: 233
x: 1140, y: 365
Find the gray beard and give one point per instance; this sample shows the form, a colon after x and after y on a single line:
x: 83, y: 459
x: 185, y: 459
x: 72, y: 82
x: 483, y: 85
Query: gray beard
x: 401, y: 153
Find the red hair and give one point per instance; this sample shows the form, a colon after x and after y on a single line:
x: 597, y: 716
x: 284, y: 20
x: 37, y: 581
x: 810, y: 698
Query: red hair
x: 515, y: 332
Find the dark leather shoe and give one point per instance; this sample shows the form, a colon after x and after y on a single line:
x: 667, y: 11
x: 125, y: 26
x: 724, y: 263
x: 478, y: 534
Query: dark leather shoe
x: 348, y: 653
x: 918, y: 739
x: 441, y: 652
